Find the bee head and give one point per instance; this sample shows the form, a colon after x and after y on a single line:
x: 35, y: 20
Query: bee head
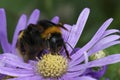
x: 55, y: 42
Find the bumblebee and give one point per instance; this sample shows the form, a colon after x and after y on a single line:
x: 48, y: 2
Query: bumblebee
x: 36, y: 38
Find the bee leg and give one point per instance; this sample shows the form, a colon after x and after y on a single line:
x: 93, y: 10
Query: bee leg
x: 70, y: 46
x: 66, y: 51
x: 41, y: 53
x: 25, y: 57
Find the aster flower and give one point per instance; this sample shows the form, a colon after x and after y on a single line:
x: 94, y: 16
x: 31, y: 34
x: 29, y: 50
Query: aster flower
x: 59, y: 67
x: 22, y: 24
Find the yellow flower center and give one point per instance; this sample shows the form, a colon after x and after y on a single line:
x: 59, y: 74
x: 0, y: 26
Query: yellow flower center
x: 52, y: 66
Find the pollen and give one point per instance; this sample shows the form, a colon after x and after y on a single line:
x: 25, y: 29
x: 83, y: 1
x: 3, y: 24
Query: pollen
x: 52, y: 66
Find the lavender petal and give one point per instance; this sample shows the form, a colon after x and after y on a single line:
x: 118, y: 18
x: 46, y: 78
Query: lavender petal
x: 100, y: 62
x: 15, y: 72
x: 34, y: 17
x: 15, y: 61
x: 105, y: 40
x: 97, y: 74
x: 3, y: 31
x: 20, y: 26
x: 111, y: 31
x: 27, y: 78
x: 96, y: 37
x: 85, y: 78
x: 65, y: 33
x: 102, y: 47
x: 55, y: 20
x: 76, y: 30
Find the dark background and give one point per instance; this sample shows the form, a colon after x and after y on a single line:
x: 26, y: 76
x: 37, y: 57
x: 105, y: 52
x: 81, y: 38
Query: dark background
x: 68, y: 11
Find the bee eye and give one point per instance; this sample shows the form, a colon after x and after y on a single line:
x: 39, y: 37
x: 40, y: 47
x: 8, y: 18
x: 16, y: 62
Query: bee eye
x: 53, y: 40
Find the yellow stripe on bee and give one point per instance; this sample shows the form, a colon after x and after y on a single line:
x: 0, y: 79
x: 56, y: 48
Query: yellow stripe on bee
x: 50, y: 30
x: 21, y: 34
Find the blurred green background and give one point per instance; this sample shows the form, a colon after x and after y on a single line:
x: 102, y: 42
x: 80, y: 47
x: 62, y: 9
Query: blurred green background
x: 68, y: 11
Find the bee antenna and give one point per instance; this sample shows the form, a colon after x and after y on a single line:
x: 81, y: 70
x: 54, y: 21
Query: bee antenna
x: 61, y: 25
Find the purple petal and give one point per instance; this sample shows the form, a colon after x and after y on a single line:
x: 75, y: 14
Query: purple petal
x: 76, y: 30
x: 3, y: 22
x: 74, y: 74
x: 55, y: 19
x: 105, y: 61
x: 75, y: 50
x: 34, y: 17
x: 27, y: 78
x: 65, y: 33
x: 78, y: 78
x: 1, y: 76
x: 66, y: 78
x: 1, y: 61
x: 15, y: 72
x: 16, y: 61
x: 84, y: 78
x: 91, y: 51
x: 102, y: 47
x: 74, y: 62
x: 85, y: 57
x: 100, y: 62
x: 97, y: 74
x: 106, y: 40
x: 111, y: 31
x: 86, y: 62
x: 20, y: 26
x: 3, y: 31
x: 96, y: 37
